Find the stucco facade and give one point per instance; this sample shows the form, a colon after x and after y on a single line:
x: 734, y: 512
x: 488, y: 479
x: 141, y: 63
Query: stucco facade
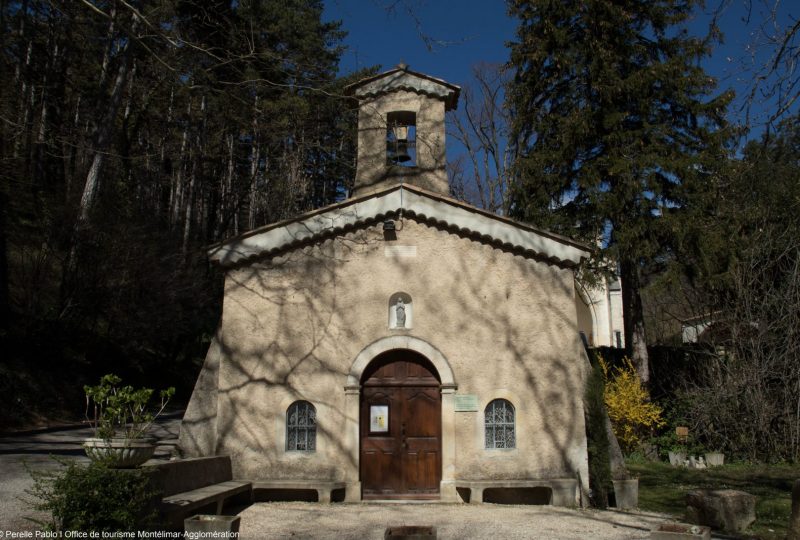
x: 309, y: 304
x: 600, y: 316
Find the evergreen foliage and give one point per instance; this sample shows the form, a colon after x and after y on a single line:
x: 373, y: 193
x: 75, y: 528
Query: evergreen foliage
x: 597, y: 438
x: 94, y: 498
x: 612, y: 114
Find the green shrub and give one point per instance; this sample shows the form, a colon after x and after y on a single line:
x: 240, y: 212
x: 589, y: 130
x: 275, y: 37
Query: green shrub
x: 95, y: 498
x: 597, y: 439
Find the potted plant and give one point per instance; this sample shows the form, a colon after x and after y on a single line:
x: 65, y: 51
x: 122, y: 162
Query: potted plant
x: 120, y: 419
x: 715, y: 459
x: 626, y: 492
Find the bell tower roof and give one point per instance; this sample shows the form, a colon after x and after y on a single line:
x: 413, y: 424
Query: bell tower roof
x: 401, y: 77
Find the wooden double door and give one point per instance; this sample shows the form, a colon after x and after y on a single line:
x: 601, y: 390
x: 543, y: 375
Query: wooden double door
x: 401, y: 428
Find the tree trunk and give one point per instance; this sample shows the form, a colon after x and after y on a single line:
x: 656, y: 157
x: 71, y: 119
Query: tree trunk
x: 633, y: 314
x: 187, y: 222
x: 103, y: 140
x: 70, y: 150
x: 5, y: 297
x: 190, y: 195
x: 109, y: 45
x: 254, y: 159
x: 176, y: 195
x: 26, y: 101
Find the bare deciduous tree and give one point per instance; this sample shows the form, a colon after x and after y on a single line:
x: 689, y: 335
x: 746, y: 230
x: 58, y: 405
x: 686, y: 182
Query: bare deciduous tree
x: 748, y: 399
x: 481, y: 126
x: 771, y: 60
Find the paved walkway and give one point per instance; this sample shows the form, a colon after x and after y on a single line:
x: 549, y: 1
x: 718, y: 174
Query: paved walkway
x: 320, y: 521
x: 456, y: 521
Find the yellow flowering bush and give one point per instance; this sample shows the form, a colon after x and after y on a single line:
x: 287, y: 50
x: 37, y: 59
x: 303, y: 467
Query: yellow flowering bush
x: 632, y: 414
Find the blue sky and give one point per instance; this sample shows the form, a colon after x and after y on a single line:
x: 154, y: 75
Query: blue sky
x: 474, y: 31
x: 470, y: 31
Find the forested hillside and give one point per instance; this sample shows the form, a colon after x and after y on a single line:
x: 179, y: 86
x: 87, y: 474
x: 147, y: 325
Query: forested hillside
x: 134, y: 134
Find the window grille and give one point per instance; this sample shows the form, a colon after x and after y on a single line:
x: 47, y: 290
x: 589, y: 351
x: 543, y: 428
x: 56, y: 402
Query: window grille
x: 301, y: 427
x: 499, y: 424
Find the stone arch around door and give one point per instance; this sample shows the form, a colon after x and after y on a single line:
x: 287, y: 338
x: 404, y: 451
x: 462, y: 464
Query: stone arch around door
x: 448, y: 387
x: 401, y: 342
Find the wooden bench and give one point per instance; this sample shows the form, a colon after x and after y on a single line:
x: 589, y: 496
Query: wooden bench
x: 196, y: 484
x: 563, y: 490
x: 322, y: 487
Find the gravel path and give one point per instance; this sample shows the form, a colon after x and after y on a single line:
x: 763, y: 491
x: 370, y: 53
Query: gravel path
x: 369, y: 521
x: 322, y: 521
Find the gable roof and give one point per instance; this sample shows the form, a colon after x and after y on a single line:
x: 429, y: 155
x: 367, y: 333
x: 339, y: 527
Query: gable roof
x: 402, y: 78
x: 412, y: 201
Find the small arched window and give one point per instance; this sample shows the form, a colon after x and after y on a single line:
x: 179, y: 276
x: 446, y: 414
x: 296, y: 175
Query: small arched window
x: 301, y: 427
x: 499, y: 423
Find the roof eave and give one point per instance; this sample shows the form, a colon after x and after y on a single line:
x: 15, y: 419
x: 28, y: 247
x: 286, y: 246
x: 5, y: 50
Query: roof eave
x: 413, y: 202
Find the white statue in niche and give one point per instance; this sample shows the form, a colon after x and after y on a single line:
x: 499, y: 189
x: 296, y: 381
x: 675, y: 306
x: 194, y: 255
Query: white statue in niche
x: 400, y: 313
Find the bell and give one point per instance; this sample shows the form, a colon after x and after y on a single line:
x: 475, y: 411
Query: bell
x: 401, y: 152
x: 398, y: 148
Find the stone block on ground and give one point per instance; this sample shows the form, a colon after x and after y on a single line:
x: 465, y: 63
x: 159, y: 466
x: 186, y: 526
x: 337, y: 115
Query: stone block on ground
x: 725, y: 509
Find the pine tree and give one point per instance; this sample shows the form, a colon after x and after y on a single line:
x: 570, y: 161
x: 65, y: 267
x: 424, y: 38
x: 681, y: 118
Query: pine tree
x: 612, y: 113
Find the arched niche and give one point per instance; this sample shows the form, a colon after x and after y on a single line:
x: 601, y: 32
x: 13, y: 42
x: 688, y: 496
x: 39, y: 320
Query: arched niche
x: 400, y: 311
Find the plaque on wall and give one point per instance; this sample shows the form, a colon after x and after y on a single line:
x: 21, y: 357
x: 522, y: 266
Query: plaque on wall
x: 379, y: 418
x: 399, y: 251
x: 466, y: 403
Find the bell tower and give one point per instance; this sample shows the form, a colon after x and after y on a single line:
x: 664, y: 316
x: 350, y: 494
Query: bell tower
x: 401, y: 130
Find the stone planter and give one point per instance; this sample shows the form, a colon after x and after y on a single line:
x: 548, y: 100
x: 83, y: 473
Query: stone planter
x: 119, y: 453
x: 626, y: 493
x: 410, y: 532
x: 715, y: 459
x: 201, y: 525
x: 677, y: 459
x: 680, y: 531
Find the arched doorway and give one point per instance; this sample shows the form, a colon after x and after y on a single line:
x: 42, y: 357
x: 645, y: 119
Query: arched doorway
x: 400, y: 427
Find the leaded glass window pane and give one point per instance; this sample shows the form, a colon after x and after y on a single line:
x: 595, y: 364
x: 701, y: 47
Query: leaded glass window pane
x: 301, y: 427
x: 499, y: 424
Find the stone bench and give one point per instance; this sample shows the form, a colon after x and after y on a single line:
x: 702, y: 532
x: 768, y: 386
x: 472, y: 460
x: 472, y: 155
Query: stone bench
x: 563, y: 490
x: 322, y: 487
x: 189, y: 485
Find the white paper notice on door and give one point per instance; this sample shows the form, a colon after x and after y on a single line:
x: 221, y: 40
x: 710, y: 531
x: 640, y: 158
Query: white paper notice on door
x: 379, y: 418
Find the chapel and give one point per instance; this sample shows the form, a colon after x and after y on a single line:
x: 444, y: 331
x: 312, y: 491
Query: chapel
x: 399, y: 344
